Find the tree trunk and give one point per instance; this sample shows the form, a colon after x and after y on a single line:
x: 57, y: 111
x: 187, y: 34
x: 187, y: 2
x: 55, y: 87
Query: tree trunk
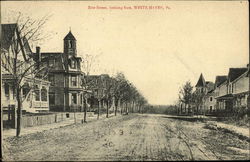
x: 119, y: 104
x: 121, y: 108
x: 19, y: 112
x: 127, y: 108
x: 74, y: 107
x: 85, y: 111
x: 107, y: 111
x: 132, y: 106
x: 115, y: 108
x: 99, y: 106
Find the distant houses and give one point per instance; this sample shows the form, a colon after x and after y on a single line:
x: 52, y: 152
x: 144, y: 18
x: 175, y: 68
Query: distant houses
x: 229, y: 93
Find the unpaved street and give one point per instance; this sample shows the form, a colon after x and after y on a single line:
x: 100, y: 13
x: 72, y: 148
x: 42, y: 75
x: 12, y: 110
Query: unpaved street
x: 128, y: 137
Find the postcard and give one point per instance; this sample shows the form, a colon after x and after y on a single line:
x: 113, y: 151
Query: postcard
x: 124, y: 80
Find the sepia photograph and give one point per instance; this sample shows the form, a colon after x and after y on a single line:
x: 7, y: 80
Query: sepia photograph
x: 124, y: 80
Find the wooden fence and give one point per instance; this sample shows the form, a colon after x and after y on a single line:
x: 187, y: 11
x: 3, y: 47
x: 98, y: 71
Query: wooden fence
x: 36, y: 120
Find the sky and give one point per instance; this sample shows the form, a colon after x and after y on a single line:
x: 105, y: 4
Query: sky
x: 158, y: 50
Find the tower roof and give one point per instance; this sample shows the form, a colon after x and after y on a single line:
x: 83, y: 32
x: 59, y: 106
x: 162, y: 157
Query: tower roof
x: 201, y: 82
x: 69, y: 36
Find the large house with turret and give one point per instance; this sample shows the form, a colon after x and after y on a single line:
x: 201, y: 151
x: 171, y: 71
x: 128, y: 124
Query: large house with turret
x: 66, y: 91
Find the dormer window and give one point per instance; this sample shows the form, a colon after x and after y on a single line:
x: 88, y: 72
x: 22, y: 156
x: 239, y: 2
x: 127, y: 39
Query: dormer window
x: 72, y: 64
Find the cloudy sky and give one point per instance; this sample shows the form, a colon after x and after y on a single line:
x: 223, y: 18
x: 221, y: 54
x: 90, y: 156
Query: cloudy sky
x: 158, y: 50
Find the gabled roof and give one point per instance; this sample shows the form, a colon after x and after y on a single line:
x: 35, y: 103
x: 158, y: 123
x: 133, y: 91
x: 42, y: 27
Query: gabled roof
x: 220, y: 79
x: 69, y: 36
x: 234, y: 73
x: 7, y: 33
x: 201, y: 82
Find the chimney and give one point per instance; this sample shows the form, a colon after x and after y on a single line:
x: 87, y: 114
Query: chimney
x: 38, y: 54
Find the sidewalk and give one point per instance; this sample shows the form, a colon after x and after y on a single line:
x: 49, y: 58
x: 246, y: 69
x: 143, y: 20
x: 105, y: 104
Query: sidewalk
x: 245, y: 132
x: 213, y: 124
x: 30, y: 130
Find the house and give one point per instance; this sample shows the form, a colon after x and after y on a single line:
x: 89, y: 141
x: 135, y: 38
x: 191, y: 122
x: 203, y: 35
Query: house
x: 16, y: 61
x: 233, y: 90
x: 206, y: 92
x: 220, y: 90
x: 209, y: 98
x: 101, y: 86
x: 66, y: 91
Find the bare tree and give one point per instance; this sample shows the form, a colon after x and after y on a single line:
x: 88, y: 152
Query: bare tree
x: 185, y: 94
x: 18, y: 60
x: 87, y: 83
x: 198, y: 99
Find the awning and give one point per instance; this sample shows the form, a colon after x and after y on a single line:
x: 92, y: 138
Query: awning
x: 226, y: 97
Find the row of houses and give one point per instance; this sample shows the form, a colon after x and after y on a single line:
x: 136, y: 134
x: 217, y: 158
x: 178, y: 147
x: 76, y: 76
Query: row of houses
x: 55, y: 83
x: 228, y: 93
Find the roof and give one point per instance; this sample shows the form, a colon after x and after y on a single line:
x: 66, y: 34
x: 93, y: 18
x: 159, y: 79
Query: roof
x: 201, y: 82
x: 220, y: 79
x: 234, y: 73
x: 69, y: 36
x: 210, y: 86
x: 225, y: 97
x: 7, y: 33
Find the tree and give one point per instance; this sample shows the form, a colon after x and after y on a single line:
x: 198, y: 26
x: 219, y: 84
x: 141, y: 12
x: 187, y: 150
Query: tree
x: 18, y: 60
x: 88, y: 84
x: 119, y: 88
x: 185, y: 94
x: 198, y: 99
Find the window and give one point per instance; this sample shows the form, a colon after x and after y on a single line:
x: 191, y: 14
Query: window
x: 37, y: 93
x: 70, y: 44
x: 52, y: 98
x: 52, y: 79
x: 74, y: 99
x: 211, y: 108
x: 7, y: 90
x: 72, y: 64
x: 26, y: 90
x: 44, y: 94
x: 81, y: 100
x: 73, y: 80
x: 51, y: 62
x: 211, y: 99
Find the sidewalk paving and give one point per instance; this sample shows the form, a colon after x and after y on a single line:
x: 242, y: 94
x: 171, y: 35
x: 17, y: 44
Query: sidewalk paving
x: 40, y: 128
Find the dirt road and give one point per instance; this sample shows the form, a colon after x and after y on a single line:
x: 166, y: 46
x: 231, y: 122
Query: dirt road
x: 129, y: 137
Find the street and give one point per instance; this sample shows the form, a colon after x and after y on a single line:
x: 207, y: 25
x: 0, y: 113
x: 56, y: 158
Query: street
x: 128, y: 137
